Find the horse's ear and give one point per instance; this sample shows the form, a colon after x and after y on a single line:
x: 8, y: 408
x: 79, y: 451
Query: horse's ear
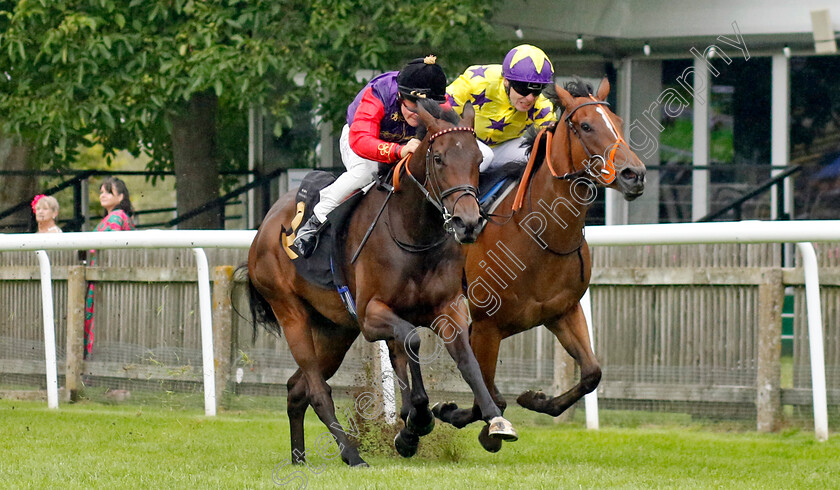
x: 428, y: 120
x: 603, y: 89
x: 468, y: 115
x: 565, y: 97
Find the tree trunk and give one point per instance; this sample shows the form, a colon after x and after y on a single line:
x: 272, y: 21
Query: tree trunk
x: 196, y: 167
x: 14, y: 156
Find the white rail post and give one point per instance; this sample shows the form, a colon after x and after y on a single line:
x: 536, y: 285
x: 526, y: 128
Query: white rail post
x: 206, y: 315
x: 591, y: 399
x: 387, y: 373
x: 49, y: 328
x: 815, y: 338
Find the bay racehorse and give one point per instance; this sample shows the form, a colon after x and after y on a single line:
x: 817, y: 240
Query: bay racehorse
x: 545, y: 234
x: 408, y: 273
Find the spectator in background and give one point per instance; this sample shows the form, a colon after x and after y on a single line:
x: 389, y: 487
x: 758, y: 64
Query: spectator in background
x: 46, y: 212
x: 114, y: 198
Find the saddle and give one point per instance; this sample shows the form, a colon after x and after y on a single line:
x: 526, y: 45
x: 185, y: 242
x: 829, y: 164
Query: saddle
x: 322, y: 268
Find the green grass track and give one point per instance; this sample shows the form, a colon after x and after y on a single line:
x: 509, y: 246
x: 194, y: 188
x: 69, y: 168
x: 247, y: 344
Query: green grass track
x: 109, y: 446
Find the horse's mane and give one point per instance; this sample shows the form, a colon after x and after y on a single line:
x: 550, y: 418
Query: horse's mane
x: 576, y: 88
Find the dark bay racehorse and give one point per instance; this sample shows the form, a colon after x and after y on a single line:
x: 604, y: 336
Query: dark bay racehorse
x: 586, y: 149
x: 408, y: 273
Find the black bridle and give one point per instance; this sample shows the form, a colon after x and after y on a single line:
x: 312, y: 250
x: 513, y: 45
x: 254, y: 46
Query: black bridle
x: 436, y: 196
x: 435, y: 199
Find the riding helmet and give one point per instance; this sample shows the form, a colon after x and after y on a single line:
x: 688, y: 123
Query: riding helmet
x: 422, y: 78
x: 526, y: 63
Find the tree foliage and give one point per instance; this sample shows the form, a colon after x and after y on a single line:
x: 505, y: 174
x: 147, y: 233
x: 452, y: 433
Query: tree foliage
x: 116, y: 72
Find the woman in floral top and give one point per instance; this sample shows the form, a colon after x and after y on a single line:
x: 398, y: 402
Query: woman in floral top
x: 114, y: 197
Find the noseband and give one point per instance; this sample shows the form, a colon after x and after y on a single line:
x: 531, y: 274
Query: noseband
x: 437, y: 196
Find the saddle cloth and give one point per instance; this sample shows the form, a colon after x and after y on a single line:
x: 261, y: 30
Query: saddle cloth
x: 318, y: 268
x: 495, y: 184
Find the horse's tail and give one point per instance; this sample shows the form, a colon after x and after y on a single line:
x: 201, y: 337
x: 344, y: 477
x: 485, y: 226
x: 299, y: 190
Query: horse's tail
x: 261, y: 312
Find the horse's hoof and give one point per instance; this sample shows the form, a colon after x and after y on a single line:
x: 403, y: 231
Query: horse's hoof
x: 530, y: 399
x: 502, y: 429
x: 420, y: 429
x: 354, y: 461
x: 444, y: 410
x: 490, y: 444
x: 406, y: 444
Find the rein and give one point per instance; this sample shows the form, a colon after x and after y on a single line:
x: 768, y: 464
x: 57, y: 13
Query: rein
x: 548, y: 134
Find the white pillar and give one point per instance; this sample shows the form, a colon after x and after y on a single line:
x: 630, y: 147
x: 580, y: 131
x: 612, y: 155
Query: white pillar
x: 639, y: 88
x: 49, y: 328
x: 780, y: 131
x: 615, y: 212
x: 325, y: 146
x: 591, y: 398
x: 205, y: 309
x: 700, y: 148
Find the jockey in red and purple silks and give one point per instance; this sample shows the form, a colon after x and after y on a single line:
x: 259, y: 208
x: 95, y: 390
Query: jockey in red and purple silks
x: 381, y: 125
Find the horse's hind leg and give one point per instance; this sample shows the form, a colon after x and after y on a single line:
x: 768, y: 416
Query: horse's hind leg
x: 319, y: 394
x: 571, y: 331
x: 296, y: 404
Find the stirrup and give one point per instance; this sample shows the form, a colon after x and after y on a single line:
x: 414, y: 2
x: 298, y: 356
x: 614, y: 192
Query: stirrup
x: 308, y: 236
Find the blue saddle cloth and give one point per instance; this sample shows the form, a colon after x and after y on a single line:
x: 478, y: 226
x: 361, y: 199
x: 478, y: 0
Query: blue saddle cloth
x: 493, y: 183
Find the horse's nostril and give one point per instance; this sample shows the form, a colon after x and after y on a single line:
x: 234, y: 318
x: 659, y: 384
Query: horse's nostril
x: 630, y: 175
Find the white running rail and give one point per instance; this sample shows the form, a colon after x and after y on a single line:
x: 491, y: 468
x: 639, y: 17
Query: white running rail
x: 799, y: 232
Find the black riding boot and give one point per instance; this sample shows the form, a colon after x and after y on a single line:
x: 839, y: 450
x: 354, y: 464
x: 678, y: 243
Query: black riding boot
x: 306, y: 239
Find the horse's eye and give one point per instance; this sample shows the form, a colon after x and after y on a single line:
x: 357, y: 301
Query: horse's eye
x: 438, y: 160
x: 586, y: 127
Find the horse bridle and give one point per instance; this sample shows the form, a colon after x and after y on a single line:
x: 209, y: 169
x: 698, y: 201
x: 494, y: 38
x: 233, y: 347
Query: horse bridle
x: 437, y: 196
x: 590, y: 157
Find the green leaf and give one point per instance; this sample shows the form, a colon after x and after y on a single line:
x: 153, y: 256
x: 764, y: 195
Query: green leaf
x: 107, y: 117
x: 217, y: 86
x: 120, y: 19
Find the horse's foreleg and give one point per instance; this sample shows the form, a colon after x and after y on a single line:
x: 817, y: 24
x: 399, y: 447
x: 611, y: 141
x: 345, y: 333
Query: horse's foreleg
x: 572, y: 333
x: 399, y: 360
x: 419, y: 420
x: 408, y: 439
x: 378, y: 315
x: 453, y: 330
x: 485, y: 346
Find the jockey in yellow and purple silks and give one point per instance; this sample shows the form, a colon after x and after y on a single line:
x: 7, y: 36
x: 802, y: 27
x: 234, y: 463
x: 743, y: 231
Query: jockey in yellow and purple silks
x: 507, y: 100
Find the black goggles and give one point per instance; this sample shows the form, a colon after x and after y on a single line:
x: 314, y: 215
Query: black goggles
x: 525, y: 88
